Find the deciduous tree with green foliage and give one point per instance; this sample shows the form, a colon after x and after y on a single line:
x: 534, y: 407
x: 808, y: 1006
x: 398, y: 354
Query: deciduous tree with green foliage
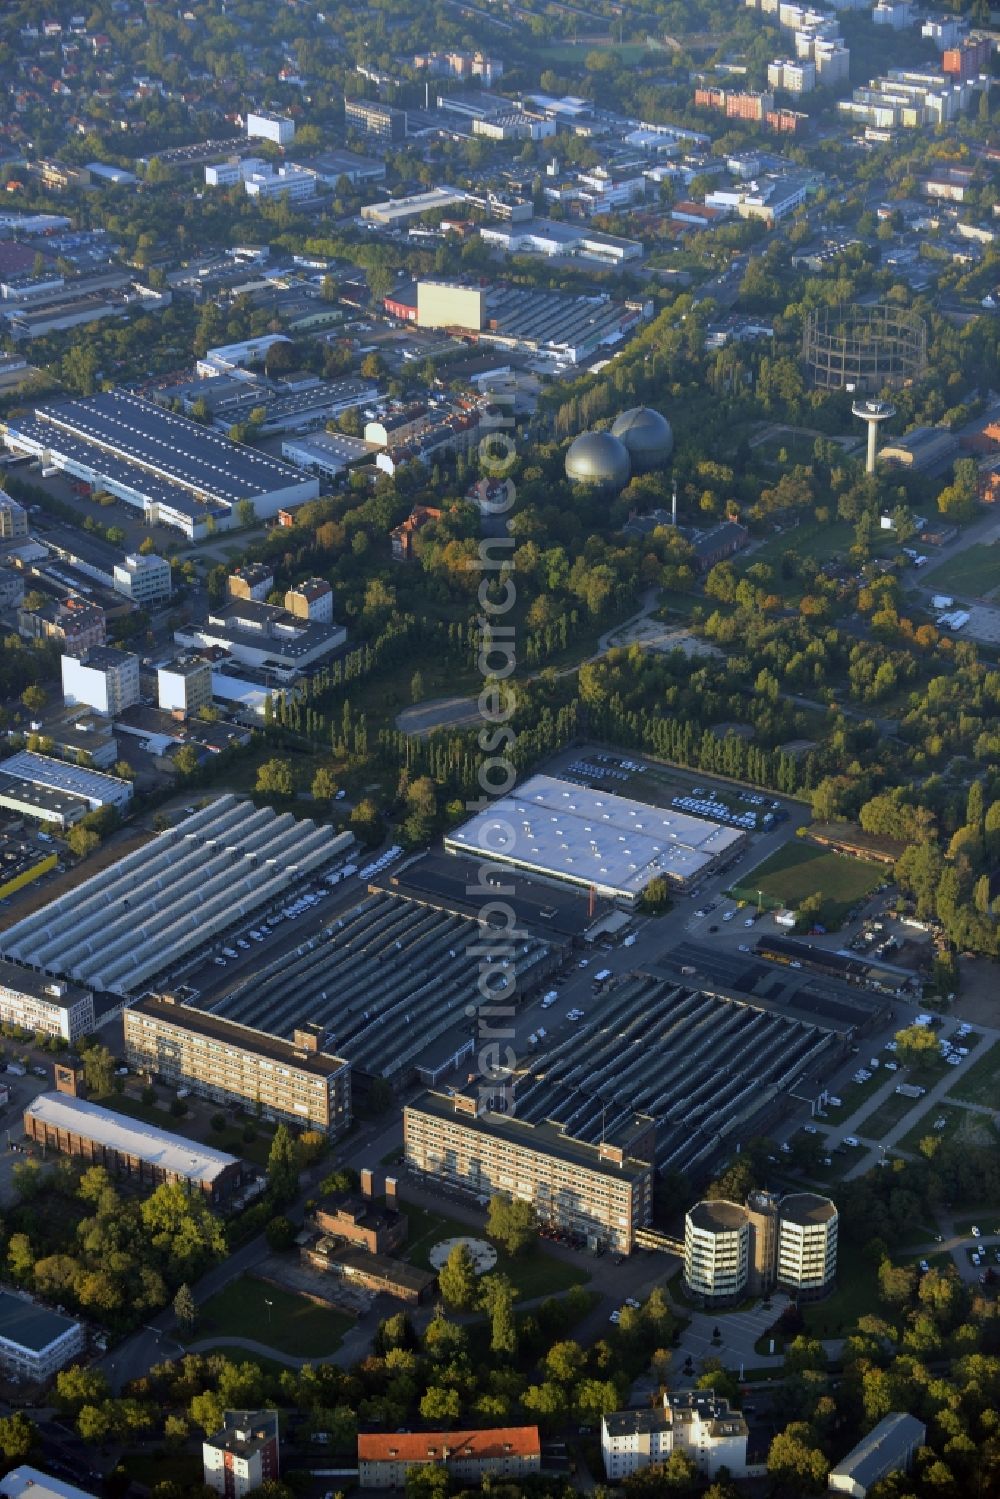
x: 513, y: 1223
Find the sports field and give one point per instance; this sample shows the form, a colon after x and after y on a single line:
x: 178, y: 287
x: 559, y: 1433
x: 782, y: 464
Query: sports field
x: 801, y: 869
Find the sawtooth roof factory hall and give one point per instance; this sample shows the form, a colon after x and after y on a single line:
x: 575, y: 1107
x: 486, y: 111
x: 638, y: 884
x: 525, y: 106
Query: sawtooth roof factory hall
x: 176, y: 472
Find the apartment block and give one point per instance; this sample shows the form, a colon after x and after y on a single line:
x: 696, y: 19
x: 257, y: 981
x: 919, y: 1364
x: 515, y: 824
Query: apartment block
x: 603, y: 1191
x: 291, y: 1081
x: 698, y: 1423
x: 506, y: 1454
x: 243, y: 1455
x: 312, y: 599
x: 269, y: 127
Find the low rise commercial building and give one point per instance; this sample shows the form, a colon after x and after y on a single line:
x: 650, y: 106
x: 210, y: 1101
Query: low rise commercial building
x: 34, y: 1342
x: 505, y: 1453
x: 50, y: 1007
x: 889, y: 1447
x: 331, y: 454
x: 698, y: 1423
x: 264, y: 635
x: 126, y: 1147
x: 243, y: 1454
x: 143, y: 578
x: 396, y: 211
x: 26, y: 1482
x: 97, y: 789
x: 295, y: 1081
x: 103, y: 679
x: 596, y: 840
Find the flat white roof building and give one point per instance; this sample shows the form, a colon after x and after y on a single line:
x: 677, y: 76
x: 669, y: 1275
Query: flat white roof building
x: 96, y: 788
x: 61, y: 1117
x: 31, y: 1483
x: 594, y: 838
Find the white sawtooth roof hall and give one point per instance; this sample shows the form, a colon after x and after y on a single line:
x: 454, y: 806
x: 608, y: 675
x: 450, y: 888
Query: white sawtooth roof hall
x: 592, y: 837
x: 145, y: 1142
x: 159, y: 903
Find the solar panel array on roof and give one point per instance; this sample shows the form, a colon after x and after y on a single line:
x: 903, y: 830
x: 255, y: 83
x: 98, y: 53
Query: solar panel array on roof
x: 172, y: 446
x: 545, y: 318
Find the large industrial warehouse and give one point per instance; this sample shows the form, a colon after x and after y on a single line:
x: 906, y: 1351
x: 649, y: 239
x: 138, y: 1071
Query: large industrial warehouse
x: 160, y: 903
x: 700, y: 1065
x: 390, y: 983
x: 176, y: 472
x: 594, y: 839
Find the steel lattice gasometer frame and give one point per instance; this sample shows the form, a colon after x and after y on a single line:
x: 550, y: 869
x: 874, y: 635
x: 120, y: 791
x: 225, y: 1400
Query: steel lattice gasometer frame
x: 869, y: 348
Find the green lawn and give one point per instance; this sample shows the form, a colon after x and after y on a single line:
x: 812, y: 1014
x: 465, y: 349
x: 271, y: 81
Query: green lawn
x: 973, y: 572
x: 878, y: 1123
x: 628, y: 53
x: 146, y: 1468
x: 856, y: 1294
x: 981, y: 1084
x: 533, y: 1274
x: 962, y: 1125
x: 808, y: 539
x: 292, y: 1324
x: 852, y: 1096
x: 798, y: 869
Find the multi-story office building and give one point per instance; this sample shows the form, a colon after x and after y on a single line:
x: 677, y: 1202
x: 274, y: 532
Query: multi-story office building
x: 268, y: 127
x: 143, y: 579
x: 13, y: 519
x: 34, y: 1342
x: 292, y: 1081
x: 184, y: 685
x: 603, y: 1191
x: 379, y: 120
x: 716, y: 1250
x: 696, y: 1422
x: 807, y: 1244
x: 104, y: 679
x: 37, y: 1003
x: 790, y: 1243
x: 271, y: 182
x: 243, y: 1455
